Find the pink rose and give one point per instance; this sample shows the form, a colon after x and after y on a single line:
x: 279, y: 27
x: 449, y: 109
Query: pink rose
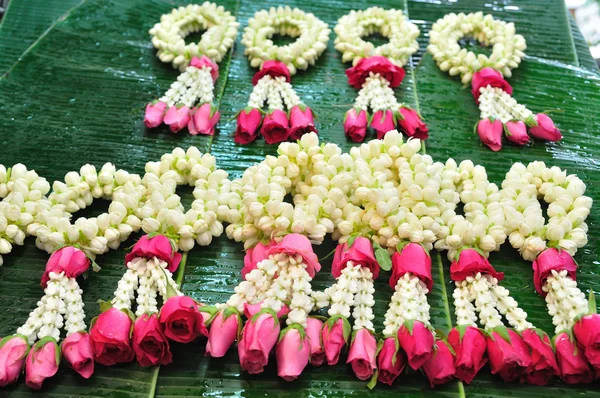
x: 335, y: 335
x: 355, y: 124
x: 273, y: 69
x: 182, y: 319
x: 517, y: 132
x: 159, y: 247
x: 362, y: 355
x: 77, y: 349
x: 301, y: 121
x: 292, y: 354
x: 440, y: 369
x: 255, y: 255
x: 223, y: 332
x: 587, y: 333
x: 470, y: 352
x: 42, y: 362
x: 490, y: 133
x: 248, y: 123
x: 259, y: 336
x: 416, y: 343
x: 550, y: 260
x: 275, y: 127
x: 545, y: 129
x: 177, y: 117
x: 360, y: 253
x: 508, y: 358
x: 391, y: 361
x: 469, y: 263
x: 155, y: 112
x: 13, y: 351
x: 252, y: 309
x: 412, y: 259
x: 149, y: 342
x: 73, y: 262
x: 488, y: 77
x: 543, y: 362
x: 110, y: 338
x: 205, y: 62
x: 412, y: 124
x: 313, y: 332
x: 203, y: 120
x: 294, y: 244
x: 574, y: 368
x: 376, y: 64
x: 382, y: 122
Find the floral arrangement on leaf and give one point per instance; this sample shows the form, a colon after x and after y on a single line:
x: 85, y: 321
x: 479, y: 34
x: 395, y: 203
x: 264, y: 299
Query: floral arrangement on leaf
x: 388, y: 205
x: 189, y: 100
x: 286, y: 117
x: 376, y: 71
x: 501, y: 114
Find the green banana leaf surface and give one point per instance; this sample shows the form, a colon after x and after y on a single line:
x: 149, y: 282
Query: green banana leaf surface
x: 77, y: 75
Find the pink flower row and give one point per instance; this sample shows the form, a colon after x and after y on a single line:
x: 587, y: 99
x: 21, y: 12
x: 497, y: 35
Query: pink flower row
x: 405, y: 119
x: 275, y: 126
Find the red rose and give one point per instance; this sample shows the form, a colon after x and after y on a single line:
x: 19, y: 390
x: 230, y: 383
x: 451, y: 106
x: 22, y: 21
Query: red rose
x: 376, y: 64
x: 294, y: 244
x: 517, y: 132
x: 545, y: 129
x: 248, y: 122
x: 488, y: 77
x: 470, y: 352
x: 361, y: 356
x: 275, y: 127
x: 490, y: 133
x: 360, y: 253
x: 412, y: 124
x: 550, y: 260
x: 77, y: 349
x: 159, y: 247
x: 355, y: 124
x: 417, y: 343
x: 70, y: 260
x: 182, y: 320
x: 414, y: 259
x: 314, y: 327
x: 469, y: 263
x: 543, y: 362
x: 587, y: 333
x: 382, y: 122
x: 205, y: 62
x: 110, y: 338
x: 273, y: 69
x: 259, y: 336
x: 574, y: 368
x: 508, y: 358
x: 390, y: 361
x: 149, y: 342
x: 335, y: 336
x: 301, y: 121
x: 440, y: 369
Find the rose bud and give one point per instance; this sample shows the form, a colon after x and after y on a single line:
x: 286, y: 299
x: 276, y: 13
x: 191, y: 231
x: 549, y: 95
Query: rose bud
x: 110, y: 338
x: 275, y: 127
x: 158, y: 246
x: 259, y: 336
x: 292, y: 352
x: 355, y: 124
x: 203, y: 62
x: 469, y: 263
x: 414, y: 259
x: 301, y: 121
x: 574, y: 368
x: 13, y: 351
x: 363, y: 353
x: 488, y: 77
x: 272, y: 68
x: 377, y: 65
x: 248, y: 123
x: 360, y: 253
x: 294, y: 244
x: 416, y: 343
x: 543, y: 361
x: 223, y: 332
x: 440, y: 369
x: 149, y: 342
x: 382, y: 122
x: 313, y: 331
x: 545, y: 129
x: 255, y: 255
x: 516, y: 132
x: 203, y: 120
x: 587, y: 333
x: 78, y: 351
x: 470, y: 351
x: 42, y: 362
x: 335, y: 335
x: 177, y: 117
x: 550, y: 260
x: 412, y: 124
x: 182, y: 320
x: 73, y: 262
x: 390, y: 361
x: 490, y: 133
x: 509, y: 355
x: 155, y: 112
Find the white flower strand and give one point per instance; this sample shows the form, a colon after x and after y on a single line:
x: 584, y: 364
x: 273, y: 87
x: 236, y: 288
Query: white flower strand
x: 342, y: 298
x: 179, y: 87
x: 258, y: 96
x: 257, y: 283
x: 301, y: 303
x: 126, y: 287
x: 508, y: 306
x: 146, y: 295
x: 409, y: 302
x: 288, y: 94
x: 75, y: 316
x: 485, y: 301
x: 193, y: 86
x: 463, y: 304
x: 364, y: 301
x: 564, y: 300
x: 377, y: 94
x: 274, y: 98
x: 498, y: 104
x: 158, y: 273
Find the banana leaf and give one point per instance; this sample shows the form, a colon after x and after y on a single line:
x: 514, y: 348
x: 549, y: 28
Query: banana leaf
x: 80, y: 74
